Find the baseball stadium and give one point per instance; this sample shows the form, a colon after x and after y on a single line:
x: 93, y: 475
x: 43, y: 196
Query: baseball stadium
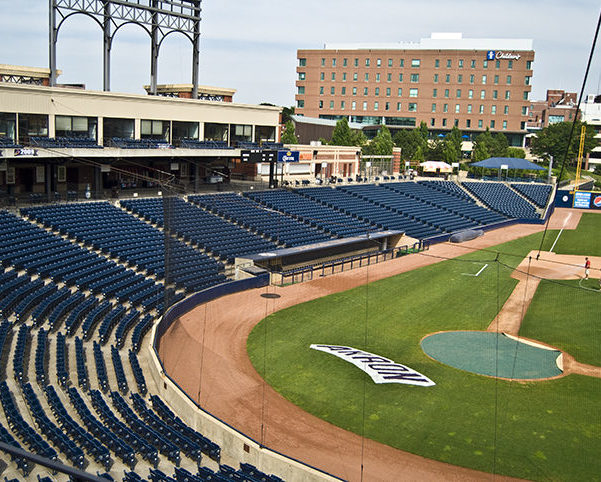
x: 179, y: 303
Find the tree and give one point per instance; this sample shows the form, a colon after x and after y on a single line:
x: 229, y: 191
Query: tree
x: 342, y: 134
x: 358, y: 138
x: 288, y: 136
x: 499, y: 146
x: 435, y: 150
x: 483, y: 143
x: 480, y: 151
x: 553, y: 141
x: 381, y: 145
x: 453, y: 142
x: 286, y: 113
x: 516, y: 152
x: 409, y: 141
x: 423, y: 131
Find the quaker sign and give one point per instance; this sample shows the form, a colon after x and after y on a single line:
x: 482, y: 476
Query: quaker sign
x: 380, y: 369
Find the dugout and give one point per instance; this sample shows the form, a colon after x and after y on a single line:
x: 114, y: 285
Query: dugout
x: 286, y: 259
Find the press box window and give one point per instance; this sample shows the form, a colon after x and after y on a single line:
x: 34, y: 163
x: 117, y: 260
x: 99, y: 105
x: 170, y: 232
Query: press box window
x: 154, y: 129
x: 71, y: 126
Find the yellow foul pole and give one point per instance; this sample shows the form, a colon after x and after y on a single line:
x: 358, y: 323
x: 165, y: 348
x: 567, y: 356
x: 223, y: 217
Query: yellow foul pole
x: 580, y: 153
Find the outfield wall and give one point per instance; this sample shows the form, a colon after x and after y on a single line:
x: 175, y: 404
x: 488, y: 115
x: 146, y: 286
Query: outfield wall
x: 235, y: 446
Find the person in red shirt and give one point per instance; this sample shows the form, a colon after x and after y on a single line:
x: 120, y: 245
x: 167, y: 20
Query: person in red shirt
x: 587, y: 267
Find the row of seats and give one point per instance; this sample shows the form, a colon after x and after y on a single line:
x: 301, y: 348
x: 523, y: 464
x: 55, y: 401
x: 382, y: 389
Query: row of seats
x: 537, y: 193
x: 503, y: 199
x: 129, y: 143
x: 196, y: 144
x: 64, y: 142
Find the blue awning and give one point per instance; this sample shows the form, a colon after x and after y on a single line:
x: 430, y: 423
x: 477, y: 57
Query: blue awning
x: 510, y: 162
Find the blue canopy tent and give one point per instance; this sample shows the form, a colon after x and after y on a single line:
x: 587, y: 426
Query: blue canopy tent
x: 508, y: 163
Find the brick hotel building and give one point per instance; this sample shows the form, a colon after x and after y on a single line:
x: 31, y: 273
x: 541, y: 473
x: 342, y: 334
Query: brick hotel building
x: 445, y: 80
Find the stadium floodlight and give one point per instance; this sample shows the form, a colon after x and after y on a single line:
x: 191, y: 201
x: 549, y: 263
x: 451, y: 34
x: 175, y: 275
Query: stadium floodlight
x: 158, y: 18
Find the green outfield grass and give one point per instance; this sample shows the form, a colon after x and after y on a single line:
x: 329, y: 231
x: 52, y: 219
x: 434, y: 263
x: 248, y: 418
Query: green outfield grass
x: 586, y: 240
x: 545, y: 430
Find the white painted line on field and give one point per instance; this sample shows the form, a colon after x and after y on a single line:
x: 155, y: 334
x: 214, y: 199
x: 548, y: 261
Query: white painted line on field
x: 478, y: 273
x: 557, y: 239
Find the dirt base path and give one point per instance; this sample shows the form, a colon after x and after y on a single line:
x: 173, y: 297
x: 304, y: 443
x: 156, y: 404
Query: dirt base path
x: 205, y: 353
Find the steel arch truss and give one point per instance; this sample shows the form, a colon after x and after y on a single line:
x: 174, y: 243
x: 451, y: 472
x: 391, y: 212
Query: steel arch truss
x: 159, y: 18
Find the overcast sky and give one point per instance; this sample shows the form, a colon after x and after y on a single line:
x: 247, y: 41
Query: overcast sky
x: 251, y: 45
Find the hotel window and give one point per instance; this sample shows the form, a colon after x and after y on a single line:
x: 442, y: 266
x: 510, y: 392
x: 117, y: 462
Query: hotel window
x: 354, y: 90
x: 525, y: 95
x: 448, y: 63
x: 495, y: 94
x: 460, y: 63
x: 355, y: 76
x: 456, y: 108
x: 301, y: 89
x: 473, y: 64
x: 378, y: 77
x: 387, y: 106
x: 468, y: 123
x: 460, y: 79
x: 400, y: 92
x: 367, y: 62
x: 389, y: 77
x: 415, y: 62
x: 323, y: 62
x: 379, y: 62
x: 482, y: 94
x: 446, y: 93
x: 472, y: 77
x: 354, y: 105
x: 366, y: 77
x: 321, y: 90
x: 435, y: 93
x: 507, y: 94
x: 343, y: 76
x: 321, y: 104
x: 527, y: 80
x: 492, y: 124
x: 506, y: 110
x: 301, y: 76
x: 344, y: 62
x: 432, y: 122
x: 400, y: 77
x: 445, y: 107
x: 332, y: 90
x: 436, y: 78
x: 456, y: 122
x: 497, y: 64
x: 414, y: 77
x: 412, y: 107
x: 356, y: 62
x: 436, y: 63
x: 333, y: 62
x: 509, y: 80
x: 402, y: 63
x: 523, y: 125
x: 433, y: 107
x: 376, y: 105
x: 458, y: 93
x: 343, y: 91
x: 302, y: 62
x: 364, y: 105
x: 480, y: 123
x: 485, y: 64
x: 484, y: 79
x: 300, y: 103
x: 398, y: 106
x: 469, y: 108
x: 493, y: 109
x: 481, y: 110
x: 389, y: 62
x: 322, y: 76
x: 447, y: 78
x: 470, y: 94
x: 504, y: 124
x: 387, y: 91
x: 524, y: 110
x: 333, y: 75
x: 496, y: 79
x: 365, y: 90
x: 528, y: 64
x: 444, y: 122
x: 510, y: 64
x: 412, y: 92
x: 377, y: 91
x: 342, y: 104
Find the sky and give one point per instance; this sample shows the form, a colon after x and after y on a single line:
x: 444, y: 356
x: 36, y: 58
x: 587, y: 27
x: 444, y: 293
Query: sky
x: 251, y: 46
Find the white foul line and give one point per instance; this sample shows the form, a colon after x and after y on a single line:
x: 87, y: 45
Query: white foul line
x: 561, y: 231
x: 478, y: 273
